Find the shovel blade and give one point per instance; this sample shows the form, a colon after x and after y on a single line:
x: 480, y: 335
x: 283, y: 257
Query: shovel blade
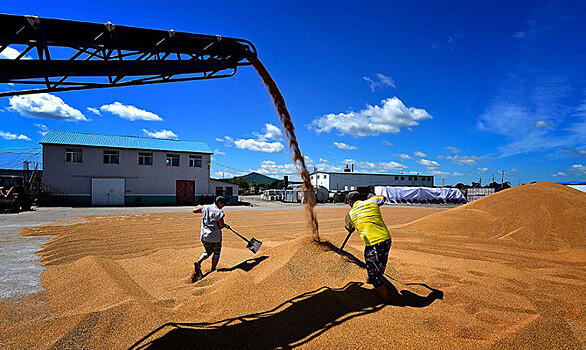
x: 254, y: 245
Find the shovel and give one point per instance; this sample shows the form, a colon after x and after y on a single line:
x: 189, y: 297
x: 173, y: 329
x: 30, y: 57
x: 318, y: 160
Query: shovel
x: 253, y: 244
x: 345, y: 241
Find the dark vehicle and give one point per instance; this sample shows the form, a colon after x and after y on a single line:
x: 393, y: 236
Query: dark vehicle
x: 14, y: 195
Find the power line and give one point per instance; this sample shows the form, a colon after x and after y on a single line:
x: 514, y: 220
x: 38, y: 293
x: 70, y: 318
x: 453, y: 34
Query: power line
x: 21, y: 160
x: 229, y: 167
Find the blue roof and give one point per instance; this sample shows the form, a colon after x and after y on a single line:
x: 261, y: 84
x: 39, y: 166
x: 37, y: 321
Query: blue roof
x: 112, y: 141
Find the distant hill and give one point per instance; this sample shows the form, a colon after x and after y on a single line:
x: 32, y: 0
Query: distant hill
x: 258, y: 178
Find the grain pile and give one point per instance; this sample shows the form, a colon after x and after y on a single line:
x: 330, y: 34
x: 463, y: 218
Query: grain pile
x: 113, y: 280
x: 541, y: 213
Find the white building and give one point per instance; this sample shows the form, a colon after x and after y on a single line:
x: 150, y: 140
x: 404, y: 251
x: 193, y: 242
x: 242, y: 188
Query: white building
x: 347, y: 181
x: 92, y: 169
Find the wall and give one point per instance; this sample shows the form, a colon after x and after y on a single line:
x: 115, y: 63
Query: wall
x: 223, y: 184
x: 157, y: 182
x: 338, y: 181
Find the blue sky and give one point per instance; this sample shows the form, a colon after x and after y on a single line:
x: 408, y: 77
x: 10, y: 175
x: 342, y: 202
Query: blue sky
x: 460, y: 90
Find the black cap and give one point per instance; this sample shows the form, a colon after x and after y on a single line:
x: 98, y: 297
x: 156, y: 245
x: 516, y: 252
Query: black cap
x: 221, y: 199
x: 354, y: 196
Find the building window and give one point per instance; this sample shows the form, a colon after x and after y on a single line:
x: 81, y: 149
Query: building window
x: 229, y: 192
x: 172, y: 159
x: 194, y: 161
x: 402, y: 178
x: 145, y: 158
x: 396, y: 178
x: 73, y: 155
x: 219, y: 191
x: 111, y: 157
x: 317, y: 176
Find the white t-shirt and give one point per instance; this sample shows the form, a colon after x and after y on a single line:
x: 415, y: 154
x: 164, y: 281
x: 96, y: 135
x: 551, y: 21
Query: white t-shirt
x: 210, y: 215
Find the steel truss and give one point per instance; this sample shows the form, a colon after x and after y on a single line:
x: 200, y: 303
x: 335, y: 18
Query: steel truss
x: 60, y: 55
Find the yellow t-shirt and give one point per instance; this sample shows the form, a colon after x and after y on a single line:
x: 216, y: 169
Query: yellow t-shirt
x: 366, y: 217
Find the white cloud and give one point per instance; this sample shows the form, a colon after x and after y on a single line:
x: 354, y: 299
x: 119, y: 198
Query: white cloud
x: 403, y: 156
x: 453, y: 149
x: 43, y: 129
x: 10, y: 53
x: 462, y: 160
x: 541, y: 124
x: 579, y: 168
x: 218, y: 152
x: 483, y: 170
x: 260, y: 146
x: 559, y: 173
x: 419, y: 154
x: 227, y: 140
x: 10, y: 136
x: 342, y: 145
x: 374, y: 120
x: 45, y: 106
x: 260, y: 143
x: 160, y: 134
x: 381, y: 80
x: 506, y: 119
x: 576, y: 151
x: 446, y: 44
x: 434, y: 171
x: 374, y: 167
x: 94, y: 111
x: 129, y: 112
x: 519, y: 35
x: 531, y: 112
x: 387, y: 143
x: 272, y: 169
x: 271, y: 132
x: 428, y: 163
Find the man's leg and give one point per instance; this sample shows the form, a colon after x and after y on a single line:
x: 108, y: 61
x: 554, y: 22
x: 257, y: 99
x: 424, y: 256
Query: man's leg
x: 202, y: 258
x: 375, y: 270
x: 198, y: 274
x: 216, y: 257
x: 382, y: 259
x: 215, y: 261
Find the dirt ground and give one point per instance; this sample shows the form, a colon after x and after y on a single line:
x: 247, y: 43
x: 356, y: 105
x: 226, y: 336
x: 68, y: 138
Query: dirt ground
x: 122, y: 281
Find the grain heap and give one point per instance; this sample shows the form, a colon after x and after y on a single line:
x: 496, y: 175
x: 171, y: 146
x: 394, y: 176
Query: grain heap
x: 113, y: 280
x: 541, y: 213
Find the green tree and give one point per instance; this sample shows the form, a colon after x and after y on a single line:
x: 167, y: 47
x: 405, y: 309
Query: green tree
x: 241, y: 182
x: 277, y: 184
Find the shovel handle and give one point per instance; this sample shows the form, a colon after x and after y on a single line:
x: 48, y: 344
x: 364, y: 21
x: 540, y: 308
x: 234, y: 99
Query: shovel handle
x: 238, y: 234
x: 346, y: 240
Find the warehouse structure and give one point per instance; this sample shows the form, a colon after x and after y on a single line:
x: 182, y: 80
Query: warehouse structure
x: 92, y: 169
x: 347, y: 180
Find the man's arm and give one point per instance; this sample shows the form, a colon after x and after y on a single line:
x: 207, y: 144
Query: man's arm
x: 379, y: 200
x: 222, y: 224
x: 349, y: 227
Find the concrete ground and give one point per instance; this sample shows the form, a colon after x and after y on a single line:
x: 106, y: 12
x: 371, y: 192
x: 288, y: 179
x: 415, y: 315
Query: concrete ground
x: 21, y: 269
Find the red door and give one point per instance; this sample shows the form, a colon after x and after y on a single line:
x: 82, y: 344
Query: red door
x: 185, y: 192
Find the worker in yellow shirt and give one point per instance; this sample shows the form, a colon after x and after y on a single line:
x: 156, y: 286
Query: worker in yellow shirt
x: 365, y: 216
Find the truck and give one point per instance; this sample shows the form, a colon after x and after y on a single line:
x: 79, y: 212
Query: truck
x: 14, y: 194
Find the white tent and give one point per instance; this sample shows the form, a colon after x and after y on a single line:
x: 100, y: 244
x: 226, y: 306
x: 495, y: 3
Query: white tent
x: 420, y: 194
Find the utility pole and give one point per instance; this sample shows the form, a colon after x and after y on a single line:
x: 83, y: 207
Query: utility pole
x: 502, y: 178
x: 443, y: 181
